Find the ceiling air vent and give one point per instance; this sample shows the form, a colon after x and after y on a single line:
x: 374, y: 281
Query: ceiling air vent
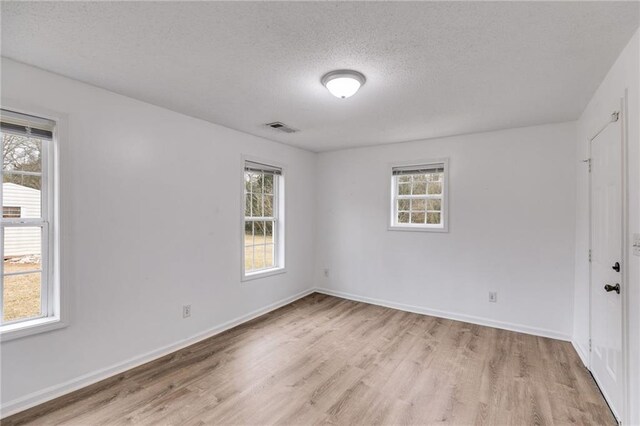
x: 281, y: 127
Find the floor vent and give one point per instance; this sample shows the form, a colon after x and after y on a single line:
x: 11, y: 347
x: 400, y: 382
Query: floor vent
x: 281, y: 127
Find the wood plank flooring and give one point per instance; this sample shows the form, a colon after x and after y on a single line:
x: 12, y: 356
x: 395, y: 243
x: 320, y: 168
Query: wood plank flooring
x: 326, y: 360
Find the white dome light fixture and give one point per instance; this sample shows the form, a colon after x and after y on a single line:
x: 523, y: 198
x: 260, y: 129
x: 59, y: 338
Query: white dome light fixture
x: 343, y: 83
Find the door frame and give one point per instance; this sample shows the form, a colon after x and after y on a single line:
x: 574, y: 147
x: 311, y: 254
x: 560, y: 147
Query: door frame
x: 622, y: 109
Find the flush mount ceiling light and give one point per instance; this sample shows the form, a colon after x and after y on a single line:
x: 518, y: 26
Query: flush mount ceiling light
x: 343, y: 83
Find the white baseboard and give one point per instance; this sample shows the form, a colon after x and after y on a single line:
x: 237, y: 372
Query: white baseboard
x: 450, y: 315
x: 581, y: 353
x: 42, y: 396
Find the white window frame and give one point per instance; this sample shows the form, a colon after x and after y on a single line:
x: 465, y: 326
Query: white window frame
x: 279, y: 231
x: 392, y: 202
x: 54, y: 296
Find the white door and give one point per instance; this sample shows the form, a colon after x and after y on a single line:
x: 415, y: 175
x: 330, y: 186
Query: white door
x: 606, y: 264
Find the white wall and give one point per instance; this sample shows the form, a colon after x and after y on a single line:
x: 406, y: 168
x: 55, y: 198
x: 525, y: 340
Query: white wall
x: 130, y: 261
x: 150, y: 203
x: 623, y: 76
x: 511, y: 229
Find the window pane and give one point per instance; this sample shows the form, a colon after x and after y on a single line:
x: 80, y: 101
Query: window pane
x: 268, y: 184
x: 419, y: 186
x: 435, y: 177
x: 256, y: 205
x: 23, y: 179
x: 248, y: 258
x: 21, y: 296
x: 434, y: 204
x: 418, y: 205
x: 20, y: 153
x: 255, y: 183
x: 258, y: 236
x: 22, y: 249
x: 247, y: 182
x: 268, y: 231
x: 435, y: 188
x: 247, y: 205
x: 259, y: 257
x: 269, y: 258
x: 433, y: 218
x: 22, y: 192
x: 248, y: 233
x: 268, y: 205
x: 22, y: 254
x: 419, y: 196
x: 417, y: 217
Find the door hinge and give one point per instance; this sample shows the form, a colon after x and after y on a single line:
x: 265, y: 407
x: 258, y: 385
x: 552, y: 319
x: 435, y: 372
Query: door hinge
x: 589, y: 255
x: 589, y: 345
x: 588, y: 161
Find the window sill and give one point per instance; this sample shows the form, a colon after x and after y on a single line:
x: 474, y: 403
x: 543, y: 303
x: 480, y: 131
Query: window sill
x: 263, y: 274
x: 419, y: 228
x: 30, y: 327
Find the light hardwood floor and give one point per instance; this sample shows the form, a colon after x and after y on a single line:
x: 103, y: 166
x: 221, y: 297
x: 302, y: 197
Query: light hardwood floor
x: 328, y: 360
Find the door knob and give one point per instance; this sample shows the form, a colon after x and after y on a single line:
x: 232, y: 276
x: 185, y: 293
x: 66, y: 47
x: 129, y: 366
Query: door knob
x: 610, y: 288
x: 616, y: 267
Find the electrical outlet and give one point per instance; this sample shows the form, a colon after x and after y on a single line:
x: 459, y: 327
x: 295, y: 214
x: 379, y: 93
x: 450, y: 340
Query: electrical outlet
x: 636, y: 244
x: 186, y: 311
x: 326, y: 273
x: 493, y: 296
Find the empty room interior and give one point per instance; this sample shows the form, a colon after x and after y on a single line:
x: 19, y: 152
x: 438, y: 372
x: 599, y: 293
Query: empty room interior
x: 320, y: 212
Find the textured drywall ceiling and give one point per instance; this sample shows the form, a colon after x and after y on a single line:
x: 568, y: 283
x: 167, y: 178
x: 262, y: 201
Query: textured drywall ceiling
x: 433, y: 69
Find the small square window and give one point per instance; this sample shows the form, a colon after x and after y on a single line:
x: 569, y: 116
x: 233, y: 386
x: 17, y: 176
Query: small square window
x: 418, y: 197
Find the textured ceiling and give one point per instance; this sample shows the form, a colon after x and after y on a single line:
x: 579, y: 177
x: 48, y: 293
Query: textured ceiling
x: 433, y: 69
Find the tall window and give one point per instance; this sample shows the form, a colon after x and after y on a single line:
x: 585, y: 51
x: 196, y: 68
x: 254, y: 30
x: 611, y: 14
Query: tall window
x: 263, y: 219
x: 419, y: 197
x: 27, y: 284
